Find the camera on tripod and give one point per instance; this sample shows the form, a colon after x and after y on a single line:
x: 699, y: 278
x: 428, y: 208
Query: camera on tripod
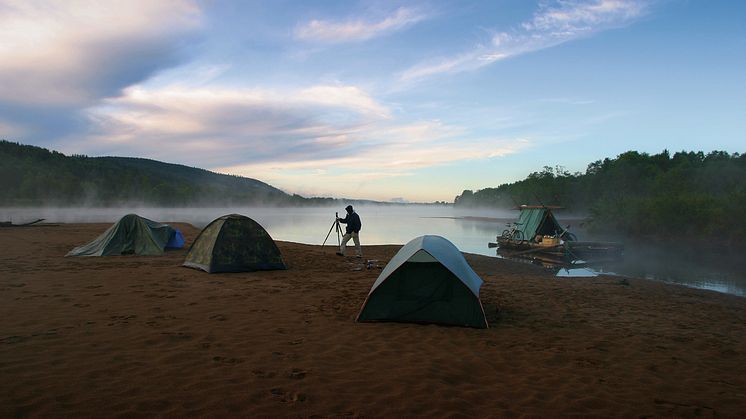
x: 335, y: 225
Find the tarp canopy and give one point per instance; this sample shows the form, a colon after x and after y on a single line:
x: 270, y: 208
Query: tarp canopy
x: 427, y: 281
x: 132, y: 234
x: 234, y: 243
x: 533, y: 221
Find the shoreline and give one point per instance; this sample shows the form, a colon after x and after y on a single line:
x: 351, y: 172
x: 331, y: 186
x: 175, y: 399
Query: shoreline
x: 144, y: 336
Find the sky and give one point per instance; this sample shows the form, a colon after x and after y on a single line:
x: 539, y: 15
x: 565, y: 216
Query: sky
x: 394, y: 101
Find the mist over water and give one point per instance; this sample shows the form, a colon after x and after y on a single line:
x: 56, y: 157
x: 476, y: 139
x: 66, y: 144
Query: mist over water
x: 381, y: 224
x: 469, y: 229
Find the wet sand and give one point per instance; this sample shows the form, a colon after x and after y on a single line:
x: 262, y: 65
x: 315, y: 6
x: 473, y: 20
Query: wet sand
x: 142, y: 336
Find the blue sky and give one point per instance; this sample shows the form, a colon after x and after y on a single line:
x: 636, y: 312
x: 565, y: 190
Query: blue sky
x: 381, y: 100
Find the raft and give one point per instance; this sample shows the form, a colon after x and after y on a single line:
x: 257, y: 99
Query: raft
x: 537, y: 232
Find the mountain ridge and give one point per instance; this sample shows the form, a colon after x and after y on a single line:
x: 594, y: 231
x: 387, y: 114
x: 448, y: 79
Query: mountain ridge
x: 32, y: 175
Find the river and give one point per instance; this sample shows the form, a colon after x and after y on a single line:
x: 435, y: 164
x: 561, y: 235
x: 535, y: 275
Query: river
x: 469, y: 229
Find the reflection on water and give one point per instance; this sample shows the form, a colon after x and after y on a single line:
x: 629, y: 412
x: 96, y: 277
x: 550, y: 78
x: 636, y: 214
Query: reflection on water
x: 381, y: 224
x: 399, y: 224
x: 575, y: 273
x: 683, y: 265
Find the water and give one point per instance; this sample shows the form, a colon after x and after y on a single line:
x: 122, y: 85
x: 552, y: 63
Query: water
x: 399, y: 224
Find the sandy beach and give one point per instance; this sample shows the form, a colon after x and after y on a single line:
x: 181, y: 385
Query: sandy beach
x: 133, y: 336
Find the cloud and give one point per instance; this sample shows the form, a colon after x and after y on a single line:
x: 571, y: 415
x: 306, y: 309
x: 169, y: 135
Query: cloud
x: 564, y: 21
x: 230, y: 125
x: 63, y: 52
x: 381, y: 152
x: 280, y: 135
x: 357, y: 30
x: 9, y: 130
x: 467, y: 61
x: 378, y: 163
x: 63, y: 56
x: 572, y: 17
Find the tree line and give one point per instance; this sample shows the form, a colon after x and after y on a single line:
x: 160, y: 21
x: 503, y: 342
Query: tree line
x: 690, y: 194
x: 32, y: 176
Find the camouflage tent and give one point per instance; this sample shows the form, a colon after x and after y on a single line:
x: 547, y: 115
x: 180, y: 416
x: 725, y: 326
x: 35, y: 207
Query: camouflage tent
x: 427, y: 281
x: 132, y: 234
x: 234, y: 243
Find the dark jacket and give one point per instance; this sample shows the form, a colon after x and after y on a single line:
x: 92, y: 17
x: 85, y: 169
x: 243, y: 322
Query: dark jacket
x: 353, y: 223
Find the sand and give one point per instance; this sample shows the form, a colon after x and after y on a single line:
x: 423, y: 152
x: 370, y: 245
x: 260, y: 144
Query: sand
x: 138, y: 336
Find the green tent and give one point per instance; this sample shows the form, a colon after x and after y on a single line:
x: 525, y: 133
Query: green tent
x: 132, y: 234
x: 234, y: 243
x: 427, y: 281
x: 537, y: 221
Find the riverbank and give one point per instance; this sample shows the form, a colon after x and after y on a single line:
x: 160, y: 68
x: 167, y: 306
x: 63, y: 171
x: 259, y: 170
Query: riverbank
x: 143, y: 336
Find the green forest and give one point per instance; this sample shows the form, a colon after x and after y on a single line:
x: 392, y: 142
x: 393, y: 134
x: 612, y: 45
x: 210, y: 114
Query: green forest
x: 31, y: 176
x: 687, y: 195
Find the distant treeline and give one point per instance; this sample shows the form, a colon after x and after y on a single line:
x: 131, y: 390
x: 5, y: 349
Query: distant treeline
x: 31, y: 176
x: 689, y: 195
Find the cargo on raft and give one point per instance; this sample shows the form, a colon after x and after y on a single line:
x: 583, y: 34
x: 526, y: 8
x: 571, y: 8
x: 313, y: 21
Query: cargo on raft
x: 538, y: 234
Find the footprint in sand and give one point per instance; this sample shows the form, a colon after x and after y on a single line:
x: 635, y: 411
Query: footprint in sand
x: 297, y: 374
x: 13, y: 339
x: 263, y: 374
x: 226, y: 360
x: 287, y: 397
x: 277, y: 392
x: 177, y: 336
x: 121, y: 319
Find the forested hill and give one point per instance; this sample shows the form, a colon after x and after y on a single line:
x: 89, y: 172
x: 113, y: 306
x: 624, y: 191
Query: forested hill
x: 690, y: 194
x: 32, y: 175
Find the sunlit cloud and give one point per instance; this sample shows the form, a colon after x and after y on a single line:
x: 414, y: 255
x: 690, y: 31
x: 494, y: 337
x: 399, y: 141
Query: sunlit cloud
x: 70, y: 53
x: 181, y: 110
x: 375, y: 167
x: 282, y: 136
x: 551, y: 25
x: 463, y: 62
x: 235, y: 124
x: 390, y: 158
x: 573, y: 16
x: 350, y: 97
x: 328, y: 31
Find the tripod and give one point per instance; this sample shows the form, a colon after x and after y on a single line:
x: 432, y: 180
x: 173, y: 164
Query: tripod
x: 336, y: 225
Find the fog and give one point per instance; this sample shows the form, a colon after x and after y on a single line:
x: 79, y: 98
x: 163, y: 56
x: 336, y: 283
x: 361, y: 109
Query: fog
x: 382, y: 224
x: 469, y: 229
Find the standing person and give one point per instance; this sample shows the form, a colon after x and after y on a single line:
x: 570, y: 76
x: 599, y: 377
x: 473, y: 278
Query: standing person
x: 352, y: 231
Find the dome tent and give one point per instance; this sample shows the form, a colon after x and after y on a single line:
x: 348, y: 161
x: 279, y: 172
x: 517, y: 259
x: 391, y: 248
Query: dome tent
x: 132, y: 234
x: 234, y: 243
x: 427, y: 281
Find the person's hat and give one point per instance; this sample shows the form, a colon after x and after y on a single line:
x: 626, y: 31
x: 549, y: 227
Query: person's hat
x: 348, y: 208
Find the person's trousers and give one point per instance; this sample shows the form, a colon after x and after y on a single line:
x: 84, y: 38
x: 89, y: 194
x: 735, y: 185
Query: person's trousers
x: 355, y: 238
